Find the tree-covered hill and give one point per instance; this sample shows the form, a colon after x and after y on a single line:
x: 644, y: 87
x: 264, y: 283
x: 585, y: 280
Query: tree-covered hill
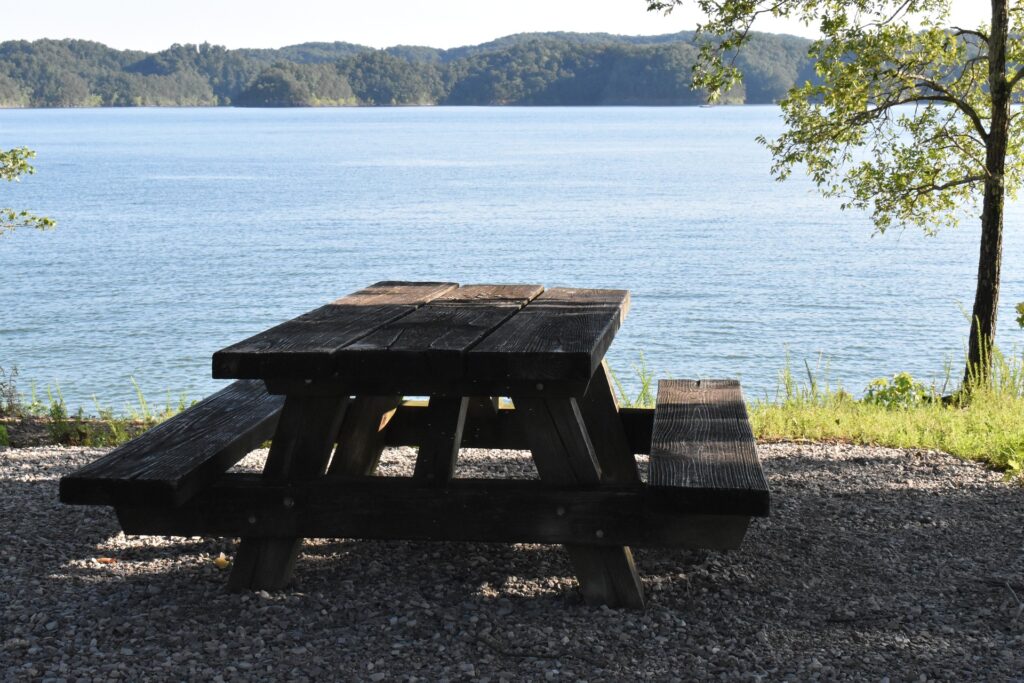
x: 523, y: 69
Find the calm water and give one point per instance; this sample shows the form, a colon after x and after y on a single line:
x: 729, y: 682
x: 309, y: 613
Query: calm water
x: 183, y: 230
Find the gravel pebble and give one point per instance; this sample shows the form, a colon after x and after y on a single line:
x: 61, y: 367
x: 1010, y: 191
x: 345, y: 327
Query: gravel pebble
x: 877, y: 564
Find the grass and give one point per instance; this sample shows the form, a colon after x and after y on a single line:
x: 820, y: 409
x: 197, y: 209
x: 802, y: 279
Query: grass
x: 49, y: 420
x: 897, y: 412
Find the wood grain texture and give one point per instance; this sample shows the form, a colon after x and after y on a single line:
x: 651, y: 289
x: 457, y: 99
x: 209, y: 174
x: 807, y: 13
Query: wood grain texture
x: 171, y: 462
x: 490, y: 295
x: 439, y: 447
x: 430, y: 342
x: 562, y: 334
x: 486, y: 510
x: 702, y: 441
x: 361, y: 438
x: 299, y: 452
x: 600, y: 413
x: 305, y: 346
x: 565, y: 456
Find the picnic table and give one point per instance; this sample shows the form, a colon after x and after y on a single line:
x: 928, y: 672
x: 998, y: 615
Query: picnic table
x: 329, y: 389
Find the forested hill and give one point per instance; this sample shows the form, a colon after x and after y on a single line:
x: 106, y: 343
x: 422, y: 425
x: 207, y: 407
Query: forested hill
x: 524, y: 69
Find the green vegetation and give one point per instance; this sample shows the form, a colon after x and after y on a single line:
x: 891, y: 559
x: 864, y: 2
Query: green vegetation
x: 525, y: 69
x: 958, y: 150
x: 902, y: 413
x: 36, y: 421
x: 14, y: 164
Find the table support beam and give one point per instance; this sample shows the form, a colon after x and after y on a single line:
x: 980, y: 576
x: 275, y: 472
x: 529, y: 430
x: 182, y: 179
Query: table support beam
x: 361, y: 437
x: 565, y: 455
x: 300, y: 450
x: 435, y: 463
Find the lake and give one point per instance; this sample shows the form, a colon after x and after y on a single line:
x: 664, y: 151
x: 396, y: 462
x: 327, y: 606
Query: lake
x: 183, y: 230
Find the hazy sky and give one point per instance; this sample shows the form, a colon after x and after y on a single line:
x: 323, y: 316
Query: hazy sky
x: 148, y: 25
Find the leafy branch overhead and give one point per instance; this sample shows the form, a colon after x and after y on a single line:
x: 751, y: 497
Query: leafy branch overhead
x: 14, y: 164
x: 908, y: 117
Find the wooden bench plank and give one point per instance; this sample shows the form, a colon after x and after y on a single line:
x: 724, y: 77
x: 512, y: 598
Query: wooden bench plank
x: 486, y: 510
x: 430, y: 342
x: 171, y: 462
x: 702, y: 442
x: 561, y: 335
x: 305, y: 346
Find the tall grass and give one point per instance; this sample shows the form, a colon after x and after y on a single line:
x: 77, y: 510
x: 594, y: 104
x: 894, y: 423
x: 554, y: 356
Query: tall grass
x: 105, y: 427
x: 981, y: 421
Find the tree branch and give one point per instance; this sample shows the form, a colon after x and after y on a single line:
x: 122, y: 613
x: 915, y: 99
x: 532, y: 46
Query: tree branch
x: 957, y: 32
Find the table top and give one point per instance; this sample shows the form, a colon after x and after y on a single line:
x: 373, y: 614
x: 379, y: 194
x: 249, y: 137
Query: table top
x: 436, y: 337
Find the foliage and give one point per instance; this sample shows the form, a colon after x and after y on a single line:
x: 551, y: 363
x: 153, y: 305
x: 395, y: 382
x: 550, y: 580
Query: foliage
x: 103, y: 428
x: 14, y: 164
x: 901, y: 392
x: 539, y: 68
x: 909, y: 118
x: 646, y: 392
x: 902, y: 413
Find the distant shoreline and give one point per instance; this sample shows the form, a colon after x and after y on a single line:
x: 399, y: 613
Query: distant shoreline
x: 536, y: 69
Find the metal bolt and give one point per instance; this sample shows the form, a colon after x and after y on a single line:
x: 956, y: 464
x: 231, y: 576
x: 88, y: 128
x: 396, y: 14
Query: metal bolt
x: 600, y: 534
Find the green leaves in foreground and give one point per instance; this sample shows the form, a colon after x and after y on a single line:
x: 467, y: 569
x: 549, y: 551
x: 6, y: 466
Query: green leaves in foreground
x: 14, y: 164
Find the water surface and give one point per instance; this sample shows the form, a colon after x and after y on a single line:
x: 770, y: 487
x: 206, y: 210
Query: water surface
x: 184, y: 230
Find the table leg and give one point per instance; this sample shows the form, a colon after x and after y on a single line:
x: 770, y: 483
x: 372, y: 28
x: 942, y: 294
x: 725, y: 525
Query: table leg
x: 439, y: 448
x: 300, y: 450
x: 361, y: 437
x: 604, y: 425
x: 565, y: 455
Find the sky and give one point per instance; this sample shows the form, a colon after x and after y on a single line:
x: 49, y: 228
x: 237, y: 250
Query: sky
x: 151, y: 26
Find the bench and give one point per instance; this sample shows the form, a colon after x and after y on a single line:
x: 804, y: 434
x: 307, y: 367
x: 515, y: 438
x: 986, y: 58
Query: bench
x: 173, y: 461
x: 327, y: 390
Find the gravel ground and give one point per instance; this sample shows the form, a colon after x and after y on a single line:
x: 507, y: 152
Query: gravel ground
x: 877, y: 564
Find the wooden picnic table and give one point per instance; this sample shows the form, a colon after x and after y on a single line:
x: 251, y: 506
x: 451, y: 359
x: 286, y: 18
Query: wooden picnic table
x: 328, y: 388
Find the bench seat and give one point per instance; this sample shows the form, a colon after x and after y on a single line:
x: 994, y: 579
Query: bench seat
x: 702, y: 443
x: 169, y: 464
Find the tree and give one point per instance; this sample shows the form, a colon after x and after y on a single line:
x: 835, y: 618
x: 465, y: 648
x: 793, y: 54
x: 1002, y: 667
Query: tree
x: 909, y: 117
x: 13, y: 165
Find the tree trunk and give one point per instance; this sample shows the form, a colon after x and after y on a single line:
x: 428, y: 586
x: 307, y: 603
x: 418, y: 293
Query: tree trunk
x: 986, y: 297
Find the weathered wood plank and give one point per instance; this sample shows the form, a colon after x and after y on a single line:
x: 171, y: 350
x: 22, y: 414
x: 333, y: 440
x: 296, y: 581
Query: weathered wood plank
x: 559, y: 441
x: 486, y: 510
x: 300, y: 451
x: 171, y: 462
x: 361, y: 438
x: 490, y: 295
x: 600, y: 413
x: 561, y: 335
x: 702, y: 441
x: 439, y: 448
x: 565, y: 456
x: 305, y: 346
x: 429, y: 343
